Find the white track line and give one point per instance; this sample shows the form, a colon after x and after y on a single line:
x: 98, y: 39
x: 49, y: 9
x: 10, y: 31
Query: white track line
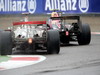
x: 10, y: 64
x: 95, y: 33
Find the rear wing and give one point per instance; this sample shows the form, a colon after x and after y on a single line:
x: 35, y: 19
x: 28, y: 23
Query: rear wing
x: 66, y: 18
x: 29, y: 23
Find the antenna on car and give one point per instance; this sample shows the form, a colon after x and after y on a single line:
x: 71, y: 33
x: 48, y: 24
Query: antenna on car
x: 26, y: 16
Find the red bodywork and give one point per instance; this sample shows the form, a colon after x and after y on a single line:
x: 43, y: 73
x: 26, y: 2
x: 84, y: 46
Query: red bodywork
x: 29, y: 22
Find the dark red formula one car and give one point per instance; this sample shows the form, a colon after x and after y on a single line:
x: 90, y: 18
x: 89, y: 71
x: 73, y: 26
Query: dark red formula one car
x: 70, y: 28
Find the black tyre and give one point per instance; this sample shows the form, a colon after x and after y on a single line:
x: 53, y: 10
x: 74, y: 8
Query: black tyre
x: 84, y: 37
x: 53, y: 42
x: 5, y: 43
x: 0, y: 40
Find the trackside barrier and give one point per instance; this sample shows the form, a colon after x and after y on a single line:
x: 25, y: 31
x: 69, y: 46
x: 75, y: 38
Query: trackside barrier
x: 45, y: 6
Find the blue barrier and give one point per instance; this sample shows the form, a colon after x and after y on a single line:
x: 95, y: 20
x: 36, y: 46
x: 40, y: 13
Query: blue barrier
x: 45, y: 6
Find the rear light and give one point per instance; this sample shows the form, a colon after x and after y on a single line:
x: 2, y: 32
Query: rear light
x: 67, y: 33
x: 30, y: 40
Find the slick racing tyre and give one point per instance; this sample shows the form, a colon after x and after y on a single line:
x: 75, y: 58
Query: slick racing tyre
x: 84, y: 37
x: 5, y: 43
x: 53, y: 42
x: 0, y: 40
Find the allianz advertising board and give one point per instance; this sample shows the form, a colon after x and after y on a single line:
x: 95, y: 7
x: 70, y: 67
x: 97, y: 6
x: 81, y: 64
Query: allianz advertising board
x: 45, y: 6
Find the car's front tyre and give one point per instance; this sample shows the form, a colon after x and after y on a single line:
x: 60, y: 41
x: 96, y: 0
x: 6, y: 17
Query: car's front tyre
x: 84, y: 37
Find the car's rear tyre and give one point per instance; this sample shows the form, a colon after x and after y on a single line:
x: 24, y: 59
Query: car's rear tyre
x: 84, y: 37
x: 0, y: 40
x: 5, y: 43
x: 53, y: 42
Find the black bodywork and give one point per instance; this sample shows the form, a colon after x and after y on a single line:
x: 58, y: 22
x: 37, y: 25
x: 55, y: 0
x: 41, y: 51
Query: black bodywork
x: 74, y: 31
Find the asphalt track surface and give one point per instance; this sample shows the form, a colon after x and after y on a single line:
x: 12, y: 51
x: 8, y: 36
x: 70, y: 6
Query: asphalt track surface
x: 72, y: 60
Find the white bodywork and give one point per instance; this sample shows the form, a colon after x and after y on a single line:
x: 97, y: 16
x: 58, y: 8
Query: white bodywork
x: 28, y: 31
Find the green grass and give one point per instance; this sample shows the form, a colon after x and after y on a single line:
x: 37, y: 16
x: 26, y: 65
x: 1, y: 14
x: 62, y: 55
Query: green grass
x: 4, y: 58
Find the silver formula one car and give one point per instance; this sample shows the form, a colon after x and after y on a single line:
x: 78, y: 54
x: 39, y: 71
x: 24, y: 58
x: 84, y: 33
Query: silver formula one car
x: 29, y: 36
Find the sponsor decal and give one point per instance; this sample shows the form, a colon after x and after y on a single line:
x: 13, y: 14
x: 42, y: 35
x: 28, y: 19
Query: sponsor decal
x: 31, y: 6
x: 83, y: 5
x: 63, y: 5
x: 12, y: 5
x: 18, y: 6
x: 45, y: 6
x: 67, y: 5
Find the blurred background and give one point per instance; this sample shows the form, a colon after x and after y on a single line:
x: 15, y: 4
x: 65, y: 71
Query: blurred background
x: 11, y: 10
